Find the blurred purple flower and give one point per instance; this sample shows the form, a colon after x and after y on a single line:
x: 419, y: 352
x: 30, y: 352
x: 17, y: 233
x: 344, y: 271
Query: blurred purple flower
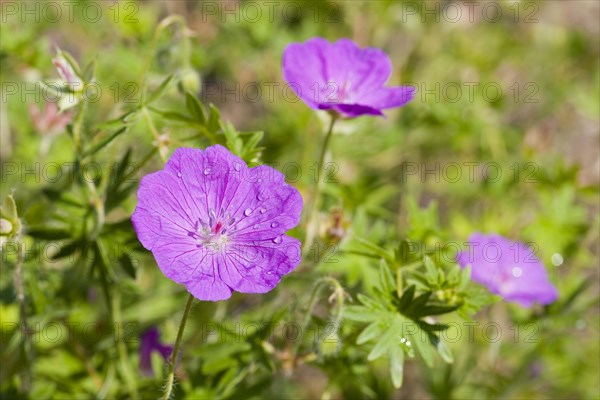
x: 342, y: 77
x: 509, y: 269
x: 215, y: 225
x: 150, y: 343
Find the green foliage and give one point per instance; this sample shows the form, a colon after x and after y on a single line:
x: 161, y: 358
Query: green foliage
x: 371, y: 310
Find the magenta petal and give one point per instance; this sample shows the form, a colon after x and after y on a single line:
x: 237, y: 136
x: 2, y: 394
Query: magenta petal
x: 389, y: 97
x: 342, y: 76
x: 198, y: 213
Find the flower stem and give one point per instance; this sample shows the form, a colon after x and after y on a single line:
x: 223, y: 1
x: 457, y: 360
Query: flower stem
x: 313, y: 219
x: 314, y: 297
x: 173, y: 358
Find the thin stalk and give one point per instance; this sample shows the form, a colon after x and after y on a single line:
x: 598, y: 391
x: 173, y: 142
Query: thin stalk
x: 27, y: 347
x: 313, y: 217
x: 314, y: 297
x: 173, y: 358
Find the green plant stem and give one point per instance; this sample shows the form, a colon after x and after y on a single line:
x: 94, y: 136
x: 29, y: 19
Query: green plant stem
x: 314, y: 297
x: 161, y: 26
x: 313, y: 219
x: 155, y: 133
x: 19, y: 286
x: 173, y: 358
x: 96, y: 199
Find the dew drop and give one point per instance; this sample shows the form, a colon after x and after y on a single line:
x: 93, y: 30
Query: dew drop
x: 517, y: 272
x: 269, y: 272
x: 256, y: 226
x: 247, y: 212
x: 237, y: 166
x: 207, y: 171
x: 273, y: 224
x: 179, y: 174
x: 263, y: 210
x: 277, y: 240
x: 259, y: 180
x: 557, y: 259
x: 259, y: 197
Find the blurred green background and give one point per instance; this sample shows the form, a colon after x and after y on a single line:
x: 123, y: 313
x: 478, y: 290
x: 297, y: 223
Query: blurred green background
x: 515, y: 85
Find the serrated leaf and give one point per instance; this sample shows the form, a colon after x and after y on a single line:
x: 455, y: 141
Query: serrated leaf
x: 371, y: 331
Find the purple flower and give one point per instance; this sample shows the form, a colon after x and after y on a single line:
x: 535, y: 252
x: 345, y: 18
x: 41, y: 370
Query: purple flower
x: 150, y: 343
x: 342, y: 77
x: 509, y: 269
x: 215, y: 225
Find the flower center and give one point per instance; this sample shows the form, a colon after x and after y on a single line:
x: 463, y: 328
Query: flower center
x: 213, y: 234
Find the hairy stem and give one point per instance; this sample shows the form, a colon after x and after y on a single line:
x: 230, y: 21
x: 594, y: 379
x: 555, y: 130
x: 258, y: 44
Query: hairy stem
x: 173, y: 358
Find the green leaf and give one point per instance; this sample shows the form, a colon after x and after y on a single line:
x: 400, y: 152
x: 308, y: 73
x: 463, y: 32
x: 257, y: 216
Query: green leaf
x: 195, y: 108
x: 359, y: 314
x: 48, y: 233
x: 444, y: 352
x: 103, y: 143
x: 432, y: 274
x: 423, y: 346
x: 370, y: 332
x: 397, y: 366
x: 368, y: 302
x: 407, y: 297
x: 173, y: 116
x: 159, y: 91
x: 437, y: 310
x: 386, y: 278
x: 214, y: 119
x: 67, y: 250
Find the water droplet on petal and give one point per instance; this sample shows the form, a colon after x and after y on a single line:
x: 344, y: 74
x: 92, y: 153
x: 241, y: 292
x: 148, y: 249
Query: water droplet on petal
x: 179, y: 174
x: 277, y: 240
x: 517, y: 272
x: 273, y: 224
x: 269, y: 272
x: 207, y: 171
x: 247, y: 212
x: 263, y: 210
x: 256, y: 226
x: 237, y: 166
x: 259, y: 180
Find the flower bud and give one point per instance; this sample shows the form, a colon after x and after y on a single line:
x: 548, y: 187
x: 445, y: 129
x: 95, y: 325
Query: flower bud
x: 190, y: 80
x: 66, y: 70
